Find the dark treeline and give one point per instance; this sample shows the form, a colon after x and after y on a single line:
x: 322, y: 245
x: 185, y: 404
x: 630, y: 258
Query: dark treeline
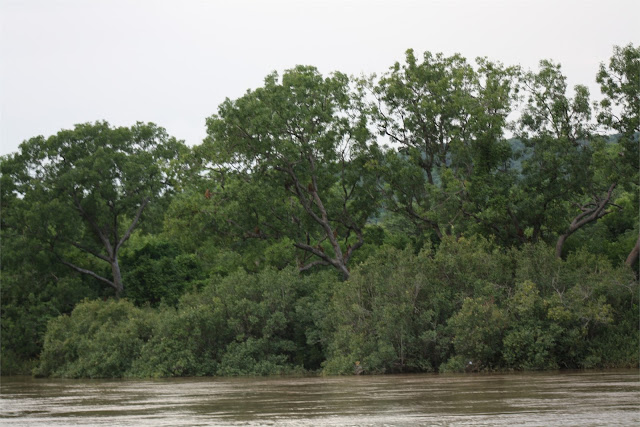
x: 444, y: 216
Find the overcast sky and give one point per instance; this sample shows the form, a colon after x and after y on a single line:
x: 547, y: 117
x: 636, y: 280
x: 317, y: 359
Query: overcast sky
x: 173, y: 62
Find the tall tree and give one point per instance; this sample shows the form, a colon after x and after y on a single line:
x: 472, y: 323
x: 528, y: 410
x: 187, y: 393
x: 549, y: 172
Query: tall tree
x: 295, y: 155
x: 561, y: 190
x: 620, y: 111
x: 82, y: 192
x: 445, y: 122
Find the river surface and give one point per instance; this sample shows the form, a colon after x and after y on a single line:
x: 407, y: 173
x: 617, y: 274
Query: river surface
x: 586, y: 398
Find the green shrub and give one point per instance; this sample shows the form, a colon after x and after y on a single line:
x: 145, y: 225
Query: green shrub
x: 531, y: 340
x: 157, y: 271
x: 457, y: 363
x: 570, y: 317
x: 477, y: 330
x: 98, y: 340
x: 260, y: 313
x: 185, y: 342
x: 472, y: 267
x: 257, y: 356
x: 388, y: 316
x: 465, y: 307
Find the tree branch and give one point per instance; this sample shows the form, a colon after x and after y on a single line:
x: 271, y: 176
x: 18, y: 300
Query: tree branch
x: 89, y: 250
x: 590, y: 212
x: 315, y: 251
x: 310, y: 265
x: 90, y: 273
x: 126, y: 236
x: 95, y: 227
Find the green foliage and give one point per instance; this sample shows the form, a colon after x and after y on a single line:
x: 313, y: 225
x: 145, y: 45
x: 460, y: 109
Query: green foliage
x: 612, y: 236
x: 477, y: 330
x: 566, y: 316
x: 620, y: 108
x: 469, y: 267
x: 35, y: 288
x: 81, y: 193
x: 392, y: 314
x: 184, y: 341
x: 399, y: 312
x: 531, y: 340
x: 241, y: 324
x: 98, y: 340
x: 293, y: 159
x: 256, y: 356
x: 451, y: 249
x: 445, y: 120
x: 470, y: 307
x: 262, y: 320
x: 26, y: 311
x: 383, y: 316
x: 157, y: 271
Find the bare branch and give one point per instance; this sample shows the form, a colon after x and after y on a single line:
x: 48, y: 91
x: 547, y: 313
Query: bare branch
x: 96, y: 229
x: 310, y: 265
x: 90, y: 273
x: 126, y: 236
x: 89, y: 250
x: 590, y: 212
x: 315, y: 251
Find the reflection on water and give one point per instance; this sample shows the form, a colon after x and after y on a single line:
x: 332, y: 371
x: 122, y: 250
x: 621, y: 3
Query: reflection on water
x: 577, y: 398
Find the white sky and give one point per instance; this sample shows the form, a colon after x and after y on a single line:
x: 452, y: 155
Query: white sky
x: 64, y: 62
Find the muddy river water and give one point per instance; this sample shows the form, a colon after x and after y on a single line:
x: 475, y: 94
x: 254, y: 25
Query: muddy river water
x: 596, y: 398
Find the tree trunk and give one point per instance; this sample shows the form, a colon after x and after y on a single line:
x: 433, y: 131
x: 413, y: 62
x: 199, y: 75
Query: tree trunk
x: 590, y: 212
x: 560, y: 244
x: 632, y: 259
x: 117, y: 277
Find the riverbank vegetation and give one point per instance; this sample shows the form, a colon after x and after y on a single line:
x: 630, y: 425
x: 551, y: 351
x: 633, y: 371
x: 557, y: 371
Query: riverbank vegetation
x: 444, y: 216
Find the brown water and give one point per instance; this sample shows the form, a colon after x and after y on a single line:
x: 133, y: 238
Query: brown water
x: 546, y: 399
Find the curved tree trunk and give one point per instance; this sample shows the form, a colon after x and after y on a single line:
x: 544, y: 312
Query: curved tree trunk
x: 632, y: 259
x: 590, y: 212
x: 559, y: 245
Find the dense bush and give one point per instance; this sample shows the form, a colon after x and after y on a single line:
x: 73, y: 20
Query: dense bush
x: 477, y: 330
x: 465, y: 306
x: 293, y: 239
x: 532, y: 338
x: 470, y: 307
x: 565, y: 313
x: 184, y: 342
x: 274, y: 320
x: 32, y: 293
x: 241, y: 324
x: 157, y: 271
x: 98, y: 340
x: 392, y: 314
x: 386, y: 316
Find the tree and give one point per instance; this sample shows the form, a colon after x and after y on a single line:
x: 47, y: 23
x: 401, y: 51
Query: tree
x: 445, y: 121
x: 620, y: 111
x: 293, y: 158
x: 561, y: 190
x: 620, y: 108
x: 82, y: 192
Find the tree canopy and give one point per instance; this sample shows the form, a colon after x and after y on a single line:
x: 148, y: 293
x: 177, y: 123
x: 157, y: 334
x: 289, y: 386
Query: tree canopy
x: 296, y: 152
x: 446, y: 215
x: 84, y: 191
